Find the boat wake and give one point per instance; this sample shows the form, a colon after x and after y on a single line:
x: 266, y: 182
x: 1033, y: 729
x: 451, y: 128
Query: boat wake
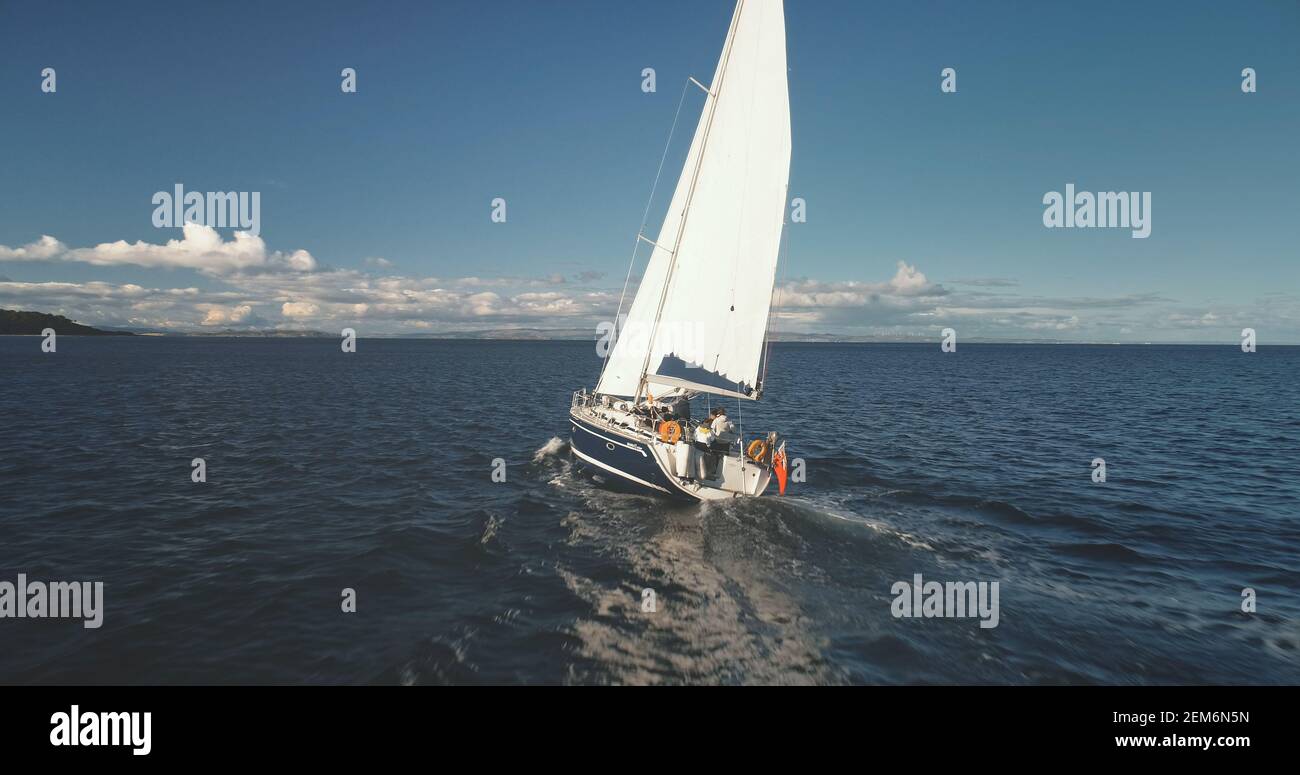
x: 678, y: 594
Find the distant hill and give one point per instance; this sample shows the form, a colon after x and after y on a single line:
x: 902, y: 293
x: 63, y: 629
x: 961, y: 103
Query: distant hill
x: 513, y: 334
x: 18, y: 323
x: 263, y: 333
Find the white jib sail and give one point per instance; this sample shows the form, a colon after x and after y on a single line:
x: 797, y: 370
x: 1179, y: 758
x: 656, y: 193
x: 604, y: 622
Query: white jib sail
x: 699, y: 319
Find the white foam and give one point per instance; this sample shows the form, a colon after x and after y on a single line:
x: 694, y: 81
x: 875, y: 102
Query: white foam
x: 551, y: 448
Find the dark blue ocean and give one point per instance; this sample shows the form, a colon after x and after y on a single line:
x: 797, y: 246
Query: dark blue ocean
x: 373, y: 471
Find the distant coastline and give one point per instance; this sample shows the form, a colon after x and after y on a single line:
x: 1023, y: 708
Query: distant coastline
x: 27, y: 323
x: 23, y: 323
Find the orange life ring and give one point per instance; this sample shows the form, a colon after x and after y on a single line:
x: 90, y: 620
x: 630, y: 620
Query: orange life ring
x: 670, y: 431
x: 757, y: 450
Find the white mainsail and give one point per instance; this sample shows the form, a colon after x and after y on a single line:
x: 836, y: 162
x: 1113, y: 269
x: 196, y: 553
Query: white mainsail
x: 699, y: 319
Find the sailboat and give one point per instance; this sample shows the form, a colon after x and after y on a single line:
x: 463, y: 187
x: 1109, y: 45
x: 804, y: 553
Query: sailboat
x: 698, y: 324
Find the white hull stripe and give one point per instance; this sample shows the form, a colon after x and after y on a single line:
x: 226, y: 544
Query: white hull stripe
x: 613, y: 470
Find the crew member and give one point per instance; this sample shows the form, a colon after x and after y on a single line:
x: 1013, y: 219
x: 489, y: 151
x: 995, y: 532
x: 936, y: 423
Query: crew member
x: 723, y: 429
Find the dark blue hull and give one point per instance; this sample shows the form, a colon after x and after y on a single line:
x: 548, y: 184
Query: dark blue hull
x: 619, y: 461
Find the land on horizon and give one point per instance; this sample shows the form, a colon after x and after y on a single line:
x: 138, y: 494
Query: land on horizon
x: 25, y: 323
x: 30, y: 323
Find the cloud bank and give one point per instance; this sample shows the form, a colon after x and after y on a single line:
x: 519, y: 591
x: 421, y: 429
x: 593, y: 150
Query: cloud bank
x: 263, y: 289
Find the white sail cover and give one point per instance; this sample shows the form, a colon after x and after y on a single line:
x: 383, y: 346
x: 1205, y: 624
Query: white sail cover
x: 724, y: 223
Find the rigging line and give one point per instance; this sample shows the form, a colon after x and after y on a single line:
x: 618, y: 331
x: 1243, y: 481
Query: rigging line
x: 636, y: 243
x: 740, y: 431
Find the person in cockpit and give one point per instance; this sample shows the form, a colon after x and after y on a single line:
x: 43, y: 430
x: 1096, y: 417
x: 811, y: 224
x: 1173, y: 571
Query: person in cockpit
x: 724, y: 431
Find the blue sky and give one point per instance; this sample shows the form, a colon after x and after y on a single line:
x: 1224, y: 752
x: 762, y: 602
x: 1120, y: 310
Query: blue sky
x: 924, y: 209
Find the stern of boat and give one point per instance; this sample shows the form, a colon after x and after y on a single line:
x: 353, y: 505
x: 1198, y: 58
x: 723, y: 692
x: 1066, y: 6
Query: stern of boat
x: 619, y: 447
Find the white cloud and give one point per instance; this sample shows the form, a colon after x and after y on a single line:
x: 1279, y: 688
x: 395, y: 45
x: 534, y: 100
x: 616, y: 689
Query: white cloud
x: 225, y: 316
x: 907, y: 285
x: 908, y: 281
x: 42, y: 249
x: 201, y: 248
x: 299, y: 309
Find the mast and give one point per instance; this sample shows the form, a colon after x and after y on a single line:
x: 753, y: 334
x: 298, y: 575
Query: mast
x: 712, y: 100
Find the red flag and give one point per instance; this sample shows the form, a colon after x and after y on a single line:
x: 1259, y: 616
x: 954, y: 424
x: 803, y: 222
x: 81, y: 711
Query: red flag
x: 778, y: 465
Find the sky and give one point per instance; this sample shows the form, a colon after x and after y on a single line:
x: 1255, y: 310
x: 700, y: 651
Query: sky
x: 925, y: 209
